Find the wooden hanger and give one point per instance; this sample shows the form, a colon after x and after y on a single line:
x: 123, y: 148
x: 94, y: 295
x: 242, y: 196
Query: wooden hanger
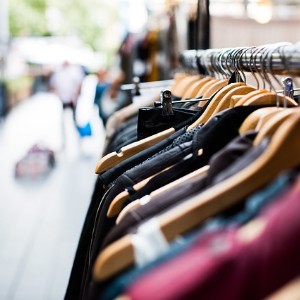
x: 239, y: 101
x: 257, y: 117
x: 178, y: 78
x: 116, y: 205
x: 264, y: 118
x: 261, y: 98
x: 168, y: 187
x: 236, y: 98
x: 181, y: 88
x: 273, y: 123
x: 201, y: 91
x: 270, y: 98
x: 290, y: 290
x: 282, y: 153
x: 128, y: 208
x: 213, y: 104
x: 194, y: 88
x: 123, y: 297
x: 112, y: 159
x: 227, y: 102
x: 214, y: 88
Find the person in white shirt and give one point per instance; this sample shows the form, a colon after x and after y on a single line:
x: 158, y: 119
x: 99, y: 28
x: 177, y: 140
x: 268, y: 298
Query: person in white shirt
x: 66, y: 83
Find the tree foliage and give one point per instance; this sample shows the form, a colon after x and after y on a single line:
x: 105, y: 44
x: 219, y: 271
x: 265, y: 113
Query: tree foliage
x: 27, y: 17
x: 88, y: 19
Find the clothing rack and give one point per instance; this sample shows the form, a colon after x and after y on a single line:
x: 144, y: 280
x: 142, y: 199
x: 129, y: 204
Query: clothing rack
x: 281, y: 58
x: 146, y: 85
x: 195, y: 168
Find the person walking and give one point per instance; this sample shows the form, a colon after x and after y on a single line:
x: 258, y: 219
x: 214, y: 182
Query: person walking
x: 66, y: 83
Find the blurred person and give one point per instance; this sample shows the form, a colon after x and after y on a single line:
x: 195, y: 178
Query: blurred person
x: 108, y: 97
x: 66, y: 83
x: 101, y: 86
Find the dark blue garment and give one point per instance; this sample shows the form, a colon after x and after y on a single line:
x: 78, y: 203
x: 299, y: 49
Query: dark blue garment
x: 253, y: 205
x: 100, y: 89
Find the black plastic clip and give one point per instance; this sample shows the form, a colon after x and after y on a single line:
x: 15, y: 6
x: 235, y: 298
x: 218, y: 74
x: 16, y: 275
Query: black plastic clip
x: 166, y: 102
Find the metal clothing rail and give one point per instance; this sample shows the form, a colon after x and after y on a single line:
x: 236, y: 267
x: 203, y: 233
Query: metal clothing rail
x: 281, y: 58
x: 146, y: 85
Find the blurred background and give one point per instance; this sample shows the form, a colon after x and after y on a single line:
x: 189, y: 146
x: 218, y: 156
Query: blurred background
x: 62, y: 64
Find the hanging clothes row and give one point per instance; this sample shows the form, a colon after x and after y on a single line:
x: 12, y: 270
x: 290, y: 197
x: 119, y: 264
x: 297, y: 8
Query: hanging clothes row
x: 202, y: 201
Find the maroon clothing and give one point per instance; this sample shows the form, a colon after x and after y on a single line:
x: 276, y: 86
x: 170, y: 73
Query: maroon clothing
x: 225, y: 266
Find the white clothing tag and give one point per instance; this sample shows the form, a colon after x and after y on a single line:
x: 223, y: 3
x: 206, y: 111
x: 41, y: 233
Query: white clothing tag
x: 149, y: 243
x: 145, y: 199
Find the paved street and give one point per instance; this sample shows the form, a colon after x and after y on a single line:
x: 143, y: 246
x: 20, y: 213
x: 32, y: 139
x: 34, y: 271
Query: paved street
x: 40, y: 221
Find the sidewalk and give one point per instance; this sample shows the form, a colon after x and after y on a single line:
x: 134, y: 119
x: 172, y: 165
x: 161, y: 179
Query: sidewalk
x: 40, y: 222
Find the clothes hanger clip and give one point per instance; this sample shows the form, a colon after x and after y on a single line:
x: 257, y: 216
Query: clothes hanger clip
x: 166, y: 102
x: 136, y: 88
x: 288, y: 87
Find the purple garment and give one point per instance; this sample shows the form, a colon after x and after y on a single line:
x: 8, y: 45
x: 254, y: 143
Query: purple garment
x: 225, y: 266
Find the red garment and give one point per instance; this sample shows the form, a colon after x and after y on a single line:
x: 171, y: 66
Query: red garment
x: 225, y: 266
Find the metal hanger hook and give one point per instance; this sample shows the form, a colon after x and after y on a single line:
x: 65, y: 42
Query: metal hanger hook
x: 242, y: 51
x: 223, y: 61
x: 250, y: 65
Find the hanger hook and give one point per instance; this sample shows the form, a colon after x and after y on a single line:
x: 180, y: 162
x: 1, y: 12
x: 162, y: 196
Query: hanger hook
x: 253, y: 50
x: 243, y: 50
x: 229, y: 61
x: 202, y: 57
x: 195, y: 63
x: 258, y: 64
x: 264, y: 65
x: 236, y: 60
x: 232, y: 59
x: 214, y: 64
x: 224, y: 61
x: 218, y: 62
x: 200, y: 63
x: 256, y: 52
x: 208, y: 61
x: 204, y: 62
